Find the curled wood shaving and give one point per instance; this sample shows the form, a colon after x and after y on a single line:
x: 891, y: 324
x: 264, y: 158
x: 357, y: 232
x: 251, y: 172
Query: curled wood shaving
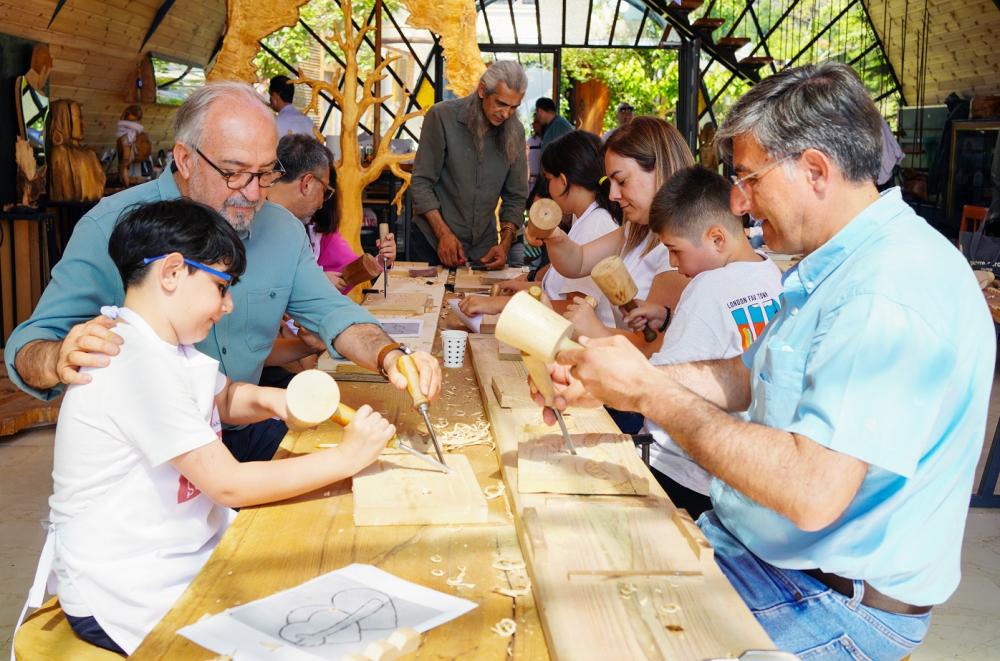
x: 457, y: 580
x: 669, y: 608
x: 494, y: 491
x: 505, y: 627
x: 437, y: 572
x: 435, y: 558
x: 627, y: 589
x: 514, y: 593
x: 508, y: 565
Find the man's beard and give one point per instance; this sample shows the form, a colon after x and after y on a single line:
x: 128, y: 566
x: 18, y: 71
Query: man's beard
x: 239, y: 211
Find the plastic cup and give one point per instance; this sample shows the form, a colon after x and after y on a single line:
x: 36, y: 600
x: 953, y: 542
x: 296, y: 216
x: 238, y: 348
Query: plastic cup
x: 453, y: 347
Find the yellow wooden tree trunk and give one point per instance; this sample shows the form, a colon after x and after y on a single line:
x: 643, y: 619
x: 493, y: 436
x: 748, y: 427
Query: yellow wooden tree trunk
x: 354, y: 100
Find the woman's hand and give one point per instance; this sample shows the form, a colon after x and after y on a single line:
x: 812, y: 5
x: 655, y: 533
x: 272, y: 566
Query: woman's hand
x: 585, y: 319
x: 473, y: 305
x: 336, y: 280
x: 387, y: 249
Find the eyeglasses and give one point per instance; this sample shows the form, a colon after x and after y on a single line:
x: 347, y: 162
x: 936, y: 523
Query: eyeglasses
x: 328, y: 189
x: 227, y: 279
x: 240, y: 180
x: 750, y: 179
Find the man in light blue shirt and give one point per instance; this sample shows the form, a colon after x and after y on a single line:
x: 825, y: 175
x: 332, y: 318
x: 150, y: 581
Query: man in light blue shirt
x: 290, y: 119
x: 841, y: 495
x: 224, y: 156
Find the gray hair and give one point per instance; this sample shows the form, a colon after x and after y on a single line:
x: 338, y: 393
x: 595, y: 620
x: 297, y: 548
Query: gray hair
x: 300, y: 154
x: 823, y: 107
x: 190, y: 117
x: 508, y: 72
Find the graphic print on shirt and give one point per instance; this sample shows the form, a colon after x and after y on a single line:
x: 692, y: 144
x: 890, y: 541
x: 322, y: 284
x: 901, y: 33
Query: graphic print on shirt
x: 185, y: 489
x: 751, y: 314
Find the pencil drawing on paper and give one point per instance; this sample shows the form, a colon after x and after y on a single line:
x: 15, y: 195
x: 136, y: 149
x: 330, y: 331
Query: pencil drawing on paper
x: 345, y: 619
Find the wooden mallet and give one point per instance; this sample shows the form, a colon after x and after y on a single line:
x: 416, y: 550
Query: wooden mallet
x: 617, y: 284
x: 313, y: 397
x: 540, y: 333
x: 544, y: 216
x: 362, y: 269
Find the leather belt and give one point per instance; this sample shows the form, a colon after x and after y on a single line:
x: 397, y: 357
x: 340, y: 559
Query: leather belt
x: 872, y: 597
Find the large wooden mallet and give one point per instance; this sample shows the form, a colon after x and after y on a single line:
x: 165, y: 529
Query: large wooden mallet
x: 313, y: 397
x: 362, y: 269
x: 617, y: 284
x: 540, y: 333
x: 544, y: 216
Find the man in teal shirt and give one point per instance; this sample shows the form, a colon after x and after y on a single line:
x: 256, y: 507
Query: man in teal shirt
x: 841, y: 494
x: 224, y: 156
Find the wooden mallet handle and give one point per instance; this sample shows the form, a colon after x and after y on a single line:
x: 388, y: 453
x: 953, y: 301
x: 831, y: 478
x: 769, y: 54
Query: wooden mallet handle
x: 617, y: 284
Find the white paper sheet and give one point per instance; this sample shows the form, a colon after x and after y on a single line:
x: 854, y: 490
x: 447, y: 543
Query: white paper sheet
x: 472, y: 323
x: 340, y: 612
x: 402, y: 326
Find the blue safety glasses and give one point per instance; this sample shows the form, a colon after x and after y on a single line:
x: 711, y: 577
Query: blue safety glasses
x: 227, y: 279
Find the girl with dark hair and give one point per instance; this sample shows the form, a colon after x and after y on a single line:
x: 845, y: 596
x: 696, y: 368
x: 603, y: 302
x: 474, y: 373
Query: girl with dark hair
x: 573, y: 171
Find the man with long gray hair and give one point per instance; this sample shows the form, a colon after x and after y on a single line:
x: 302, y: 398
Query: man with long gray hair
x: 224, y: 156
x: 472, y: 154
x: 840, y: 497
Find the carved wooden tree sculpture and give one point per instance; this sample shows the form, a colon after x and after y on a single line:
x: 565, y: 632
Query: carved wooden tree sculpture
x: 354, y: 100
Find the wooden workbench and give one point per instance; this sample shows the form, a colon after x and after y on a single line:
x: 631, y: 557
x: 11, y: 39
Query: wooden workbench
x: 274, y: 547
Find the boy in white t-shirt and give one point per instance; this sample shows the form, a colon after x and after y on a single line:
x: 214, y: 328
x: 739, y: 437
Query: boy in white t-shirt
x: 732, y: 295
x: 142, y: 481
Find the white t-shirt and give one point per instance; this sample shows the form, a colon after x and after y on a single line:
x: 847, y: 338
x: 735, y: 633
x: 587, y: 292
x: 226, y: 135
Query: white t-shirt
x: 291, y: 120
x: 130, y: 532
x: 593, y: 224
x: 643, y: 269
x: 719, y: 315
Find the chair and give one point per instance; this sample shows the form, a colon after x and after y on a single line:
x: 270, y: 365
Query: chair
x: 972, y: 216
x: 46, y: 634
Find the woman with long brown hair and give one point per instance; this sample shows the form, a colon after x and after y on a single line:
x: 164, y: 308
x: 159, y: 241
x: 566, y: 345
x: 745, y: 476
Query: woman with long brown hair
x: 638, y: 159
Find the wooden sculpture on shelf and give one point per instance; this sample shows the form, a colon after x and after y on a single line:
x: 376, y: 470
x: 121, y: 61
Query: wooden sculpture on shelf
x: 455, y: 22
x: 75, y: 174
x: 354, y: 99
x: 249, y: 21
x: 30, y: 177
x: 133, y: 143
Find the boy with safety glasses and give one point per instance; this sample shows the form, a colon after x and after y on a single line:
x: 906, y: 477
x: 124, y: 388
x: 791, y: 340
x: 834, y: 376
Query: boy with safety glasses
x: 142, y: 482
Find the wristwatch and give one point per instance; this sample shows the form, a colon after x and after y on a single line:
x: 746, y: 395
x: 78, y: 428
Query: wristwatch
x: 385, y: 351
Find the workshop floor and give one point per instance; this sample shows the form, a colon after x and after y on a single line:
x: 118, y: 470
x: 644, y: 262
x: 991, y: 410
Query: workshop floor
x: 966, y: 627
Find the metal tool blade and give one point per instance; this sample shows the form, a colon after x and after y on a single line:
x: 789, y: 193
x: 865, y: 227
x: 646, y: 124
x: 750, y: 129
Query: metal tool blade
x: 441, y: 466
x: 423, y: 408
x: 565, y: 432
x: 385, y: 277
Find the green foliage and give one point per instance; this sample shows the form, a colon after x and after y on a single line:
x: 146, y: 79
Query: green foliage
x: 646, y: 78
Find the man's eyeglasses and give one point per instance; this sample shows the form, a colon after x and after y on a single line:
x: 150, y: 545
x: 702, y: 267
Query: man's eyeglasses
x: 240, y: 180
x: 328, y: 190
x: 748, y: 180
x: 227, y: 279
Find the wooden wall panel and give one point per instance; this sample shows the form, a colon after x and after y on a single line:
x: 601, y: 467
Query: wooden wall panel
x: 95, y: 46
x: 962, y: 54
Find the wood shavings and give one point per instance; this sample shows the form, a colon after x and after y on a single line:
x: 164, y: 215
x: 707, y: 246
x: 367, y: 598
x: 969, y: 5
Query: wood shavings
x: 514, y: 593
x: 435, y: 558
x: 437, y: 572
x: 508, y: 565
x: 459, y: 581
x: 505, y: 627
x: 669, y: 608
x: 494, y: 491
x: 463, y: 435
x: 626, y: 590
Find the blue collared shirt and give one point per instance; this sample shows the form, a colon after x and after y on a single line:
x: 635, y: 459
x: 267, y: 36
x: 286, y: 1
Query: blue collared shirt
x: 281, y: 275
x: 883, y: 350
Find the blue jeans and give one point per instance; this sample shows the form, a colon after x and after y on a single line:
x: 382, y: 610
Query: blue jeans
x: 806, y: 617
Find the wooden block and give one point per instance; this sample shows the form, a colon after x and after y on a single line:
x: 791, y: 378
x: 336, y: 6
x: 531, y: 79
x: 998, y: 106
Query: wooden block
x: 489, y: 323
x: 467, y: 280
x: 406, y: 640
x: 428, y: 272
x: 693, y: 536
x: 381, y: 650
x: 507, y: 352
x: 397, y: 304
x: 399, y: 489
x: 512, y: 392
x: 604, y: 464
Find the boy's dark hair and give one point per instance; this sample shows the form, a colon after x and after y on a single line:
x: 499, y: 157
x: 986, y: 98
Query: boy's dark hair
x: 194, y: 230
x: 692, y: 200
x: 279, y: 85
x: 577, y: 155
x: 545, y: 103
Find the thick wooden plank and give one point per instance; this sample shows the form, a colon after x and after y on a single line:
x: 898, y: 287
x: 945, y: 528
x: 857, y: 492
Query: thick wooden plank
x: 583, y: 610
x: 400, y: 489
x: 603, y: 464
